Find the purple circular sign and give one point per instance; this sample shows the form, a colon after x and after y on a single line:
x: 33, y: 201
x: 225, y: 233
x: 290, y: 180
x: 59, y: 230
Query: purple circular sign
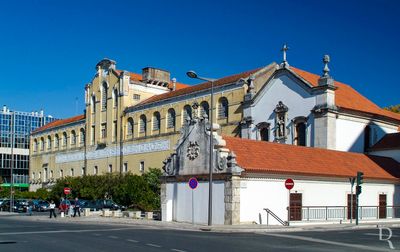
x: 193, y: 183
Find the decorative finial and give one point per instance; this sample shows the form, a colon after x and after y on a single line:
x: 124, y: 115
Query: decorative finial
x: 326, y: 59
x: 284, y: 49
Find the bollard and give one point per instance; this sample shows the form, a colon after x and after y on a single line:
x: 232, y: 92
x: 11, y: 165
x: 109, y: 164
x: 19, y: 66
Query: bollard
x: 62, y: 214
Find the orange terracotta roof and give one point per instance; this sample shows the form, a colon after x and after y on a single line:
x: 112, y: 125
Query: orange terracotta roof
x: 348, y: 98
x: 60, y: 122
x: 199, y: 87
x: 389, y: 141
x: 138, y: 77
x: 274, y: 158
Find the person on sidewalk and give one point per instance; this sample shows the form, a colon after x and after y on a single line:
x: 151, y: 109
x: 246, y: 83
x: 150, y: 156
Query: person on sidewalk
x: 52, y: 207
x: 77, y: 207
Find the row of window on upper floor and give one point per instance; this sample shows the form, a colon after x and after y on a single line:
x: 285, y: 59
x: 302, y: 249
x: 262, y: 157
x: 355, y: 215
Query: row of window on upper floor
x: 204, y: 110
x: 39, y: 144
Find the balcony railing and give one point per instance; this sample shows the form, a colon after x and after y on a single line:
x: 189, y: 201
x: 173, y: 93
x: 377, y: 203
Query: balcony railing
x: 318, y: 213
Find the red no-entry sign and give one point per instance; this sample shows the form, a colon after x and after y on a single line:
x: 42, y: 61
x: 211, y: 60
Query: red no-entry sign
x: 67, y: 190
x: 289, y: 183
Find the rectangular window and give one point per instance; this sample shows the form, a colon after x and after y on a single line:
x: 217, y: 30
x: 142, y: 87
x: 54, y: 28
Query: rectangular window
x: 125, y: 168
x: 115, y: 131
x: 95, y: 170
x: 141, y: 166
x: 110, y: 168
x: 103, y: 130
x: 93, y: 134
x: 136, y: 97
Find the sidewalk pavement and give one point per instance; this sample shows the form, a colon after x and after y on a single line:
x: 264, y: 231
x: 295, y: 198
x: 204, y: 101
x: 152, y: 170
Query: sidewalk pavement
x: 242, y: 228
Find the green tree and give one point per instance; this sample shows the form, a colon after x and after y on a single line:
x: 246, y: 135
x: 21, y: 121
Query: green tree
x: 394, y: 108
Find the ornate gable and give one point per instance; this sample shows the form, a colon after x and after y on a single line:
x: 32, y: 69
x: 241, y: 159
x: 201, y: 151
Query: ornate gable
x: 192, y: 152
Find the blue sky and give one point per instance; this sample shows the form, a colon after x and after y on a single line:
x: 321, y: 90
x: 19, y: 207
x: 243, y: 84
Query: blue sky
x: 51, y: 47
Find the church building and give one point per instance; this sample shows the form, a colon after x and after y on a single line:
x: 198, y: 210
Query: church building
x: 133, y: 121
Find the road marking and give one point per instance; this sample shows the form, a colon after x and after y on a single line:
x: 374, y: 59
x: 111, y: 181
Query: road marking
x: 112, y: 237
x: 97, y: 234
x: 130, y: 240
x: 178, y: 250
x: 153, y: 245
x: 66, y: 231
x: 316, y: 240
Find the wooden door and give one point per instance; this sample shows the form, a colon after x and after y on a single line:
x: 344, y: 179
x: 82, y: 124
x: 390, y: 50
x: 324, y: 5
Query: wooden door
x: 349, y: 206
x: 295, y: 206
x: 382, y: 206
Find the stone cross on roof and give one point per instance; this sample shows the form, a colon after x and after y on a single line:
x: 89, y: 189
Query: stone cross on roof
x: 284, y: 49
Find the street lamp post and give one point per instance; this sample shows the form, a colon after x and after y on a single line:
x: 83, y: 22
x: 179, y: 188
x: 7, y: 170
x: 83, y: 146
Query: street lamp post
x: 193, y: 75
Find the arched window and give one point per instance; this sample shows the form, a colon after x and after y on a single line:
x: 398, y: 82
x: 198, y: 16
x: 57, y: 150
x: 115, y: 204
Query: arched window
x: 300, y: 127
x: 171, y: 118
x: 156, y: 121
x: 72, y: 172
x: 61, y: 173
x: 204, y: 109
x: 82, y: 136
x: 130, y: 128
x: 104, y: 91
x: 93, y: 104
x: 64, y: 141
x: 49, y: 142
x: 115, y: 96
x: 367, y: 137
x: 56, y: 141
x: 73, y: 137
x: 143, y: 124
x: 187, y: 113
x: 41, y: 144
x: 223, y: 108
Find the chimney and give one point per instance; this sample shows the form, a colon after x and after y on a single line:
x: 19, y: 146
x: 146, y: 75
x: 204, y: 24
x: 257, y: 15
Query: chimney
x: 173, y: 84
x: 155, y: 76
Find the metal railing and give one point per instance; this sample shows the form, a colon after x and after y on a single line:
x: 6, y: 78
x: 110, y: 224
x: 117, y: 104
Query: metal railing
x: 269, y: 212
x: 314, y: 213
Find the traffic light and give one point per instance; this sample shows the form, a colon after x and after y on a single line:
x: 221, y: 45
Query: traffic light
x: 360, y: 178
x: 358, y: 190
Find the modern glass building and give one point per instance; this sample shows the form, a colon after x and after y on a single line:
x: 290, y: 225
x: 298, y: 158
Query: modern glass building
x: 15, y: 130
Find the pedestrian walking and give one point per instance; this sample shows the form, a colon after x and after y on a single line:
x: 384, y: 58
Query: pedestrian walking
x: 52, y: 207
x: 77, y: 207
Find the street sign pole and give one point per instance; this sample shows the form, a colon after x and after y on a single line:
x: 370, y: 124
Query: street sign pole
x: 289, y: 184
x: 288, y: 219
x: 351, y: 199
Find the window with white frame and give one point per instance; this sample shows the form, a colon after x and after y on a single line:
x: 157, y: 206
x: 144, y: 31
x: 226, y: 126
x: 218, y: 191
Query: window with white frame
x: 35, y: 145
x: 41, y: 144
x: 300, y: 133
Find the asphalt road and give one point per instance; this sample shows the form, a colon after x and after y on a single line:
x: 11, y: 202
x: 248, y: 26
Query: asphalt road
x: 21, y: 234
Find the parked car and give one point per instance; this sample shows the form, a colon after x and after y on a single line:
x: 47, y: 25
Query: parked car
x: 95, y: 205
x: 42, y: 206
